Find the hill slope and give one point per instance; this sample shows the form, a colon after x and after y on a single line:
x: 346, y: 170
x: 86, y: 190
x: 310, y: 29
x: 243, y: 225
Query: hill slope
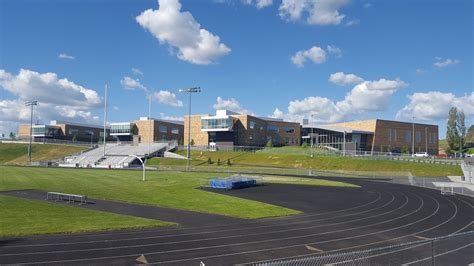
x: 17, y: 153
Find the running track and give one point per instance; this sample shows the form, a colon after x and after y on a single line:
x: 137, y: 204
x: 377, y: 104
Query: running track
x: 334, y: 220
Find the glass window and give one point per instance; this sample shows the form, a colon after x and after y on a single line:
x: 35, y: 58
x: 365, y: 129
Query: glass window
x: 272, y: 128
x: 175, y: 130
x: 120, y: 129
x: 218, y: 123
x: 394, y: 136
x: 408, y: 136
x: 418, y: 136
x: 389, y: 135
x: 252, y: 124
x: 73, y: 131
x: 163, y: 129
x: 289, y: 130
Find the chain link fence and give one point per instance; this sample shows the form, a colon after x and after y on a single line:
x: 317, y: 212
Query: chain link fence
x: 455, y: 249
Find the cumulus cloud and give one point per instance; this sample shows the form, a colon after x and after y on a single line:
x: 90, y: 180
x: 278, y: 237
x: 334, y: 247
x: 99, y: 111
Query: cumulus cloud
x: 342, y: 79
x: 166, y: 98
x: 129, y: 83
x: 46, y: 87
x: 181, y: 31
x: 316, y: 54
x: 317, y: 12
x: 440, y: 62
x: 66, y: 56
x: 367, y: 96
x: 59, y: 99
x: 258, y: 3
x: 435, y: 105
x: 231, y: 105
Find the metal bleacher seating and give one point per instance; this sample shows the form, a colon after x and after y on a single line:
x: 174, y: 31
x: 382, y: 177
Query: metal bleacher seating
x: 116, y: 155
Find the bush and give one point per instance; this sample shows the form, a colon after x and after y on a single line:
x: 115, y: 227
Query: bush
x: 228, y: 162
x: 305, y: 145
x: 218, y: 161
x: 192, y: 142
x: 405, y: 150
x: 209, y: 160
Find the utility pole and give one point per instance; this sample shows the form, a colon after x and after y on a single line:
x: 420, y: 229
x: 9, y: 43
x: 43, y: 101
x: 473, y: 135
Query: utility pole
x: 190, y: 91
x: 426, y: 139
x: 31, y: 104
x: 105, y: 117
x: 149, y: 124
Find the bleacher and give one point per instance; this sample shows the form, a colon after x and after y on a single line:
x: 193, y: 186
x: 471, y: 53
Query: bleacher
x: 116, y: 155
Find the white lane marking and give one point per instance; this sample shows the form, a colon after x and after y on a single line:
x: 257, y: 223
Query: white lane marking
x: 308, y: 247
x: 217, y: 238
x: 215, y: 231
x: 254, y: 242
x: 440, y: 254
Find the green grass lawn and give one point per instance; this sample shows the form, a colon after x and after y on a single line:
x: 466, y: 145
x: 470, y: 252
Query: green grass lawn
x: 16, y: 153
x: 288, y: 159
x: 20, y: 217
x: 165, y: 189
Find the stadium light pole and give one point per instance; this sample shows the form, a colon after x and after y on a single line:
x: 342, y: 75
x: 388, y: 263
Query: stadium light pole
x: 31, y: 104
x: 311, y: 137
x: 189, y: 91
x: 413, y: 137
x: 105, y: 117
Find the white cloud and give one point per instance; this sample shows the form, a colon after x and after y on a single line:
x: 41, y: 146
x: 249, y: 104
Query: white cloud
x: 181, y: 31
x: 444, y: 63
x: 231, y: 105
x: 258, y: 3
x: 435, y: 105
x: 342, y: 79
x: 420, y: 71
x: 48, y: 88
x: 129, y: 83
x: 315, y: 54
x: 58, y: 99
x: 167, y: 98
x: 352, y: 22
x: 137, y: 72
x: 368, y: 96
x: 317, y: 12
x: 336, y: 51
x: 66, y: 56
x: 172, y: 118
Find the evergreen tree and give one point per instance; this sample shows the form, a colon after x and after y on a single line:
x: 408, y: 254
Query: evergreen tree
x: 12, y: 136
x: 461, y: 128
x: 452, y: 134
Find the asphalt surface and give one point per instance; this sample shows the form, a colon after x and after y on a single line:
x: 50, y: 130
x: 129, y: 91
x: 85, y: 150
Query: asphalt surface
x: 335, y: 220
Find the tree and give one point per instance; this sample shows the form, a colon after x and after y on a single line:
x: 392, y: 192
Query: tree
x: 192, y: 142
x: 470, y: 135
x: 12, y: 136
x: 461, y: 128
x: 452, y: 134
x: 269, y: 143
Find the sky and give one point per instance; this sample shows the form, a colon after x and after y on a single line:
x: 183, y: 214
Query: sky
x: 334, y: 60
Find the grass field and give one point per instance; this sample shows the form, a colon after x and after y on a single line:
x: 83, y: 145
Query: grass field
x: 16, y: 153
x: 288, y: 159
x: 165, y: 189
x: 20, y: 217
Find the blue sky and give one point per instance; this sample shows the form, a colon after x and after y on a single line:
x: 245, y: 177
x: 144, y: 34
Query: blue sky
x: 268, y: 58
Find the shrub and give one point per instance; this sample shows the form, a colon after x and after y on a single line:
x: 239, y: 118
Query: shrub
x: 209, y: 160
x: 218, y: 161
x: 269, y: 143
x: 228, y: 162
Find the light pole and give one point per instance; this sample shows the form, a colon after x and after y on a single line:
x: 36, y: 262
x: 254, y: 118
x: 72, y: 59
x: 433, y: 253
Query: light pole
x: 31, y: 104
x: 311, y: 137
x: 92, y: 134
x: 344, y: 150
x: 413, y: 137
x: 105, y: 117
x: 190, y: 91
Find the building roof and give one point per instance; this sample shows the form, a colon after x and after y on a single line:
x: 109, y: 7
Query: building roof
x: 58, y: 122
x: 338, y: 129
x: 145, y: 118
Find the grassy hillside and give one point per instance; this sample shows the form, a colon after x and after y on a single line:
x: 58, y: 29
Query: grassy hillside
x: 291, y: 160
x: 16, y: 153
x: 29, y: 217
x: 165, y: 189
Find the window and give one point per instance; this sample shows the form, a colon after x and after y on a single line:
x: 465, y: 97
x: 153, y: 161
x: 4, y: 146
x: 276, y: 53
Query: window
x: 121, y: 129
x: 408, y: 136
x: 389, y: 135
x: 218, y: 123
x: 163, y: 129
x: 289, y: 130
x: 394, y: 136
x: 252, y: 124
x: 287, y: 141
x: 175, y: 130
x: 417, y: 136
x: 73, y: 131
x: 272, y: 128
